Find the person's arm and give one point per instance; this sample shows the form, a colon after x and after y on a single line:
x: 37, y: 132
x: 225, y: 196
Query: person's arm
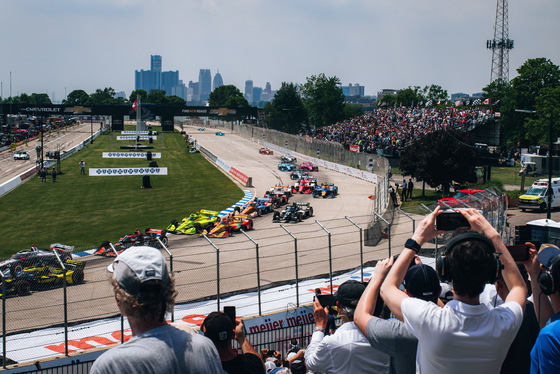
x: 317, y: 356
x: 541, y: 302
x: 246, y: 347
x: 510, y: 273
x: 366, y: 305
x: 390, y: 292
x: 298, y: 356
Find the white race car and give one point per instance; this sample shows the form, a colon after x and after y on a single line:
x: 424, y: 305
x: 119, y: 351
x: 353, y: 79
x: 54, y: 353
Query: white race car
x: 21, y: 155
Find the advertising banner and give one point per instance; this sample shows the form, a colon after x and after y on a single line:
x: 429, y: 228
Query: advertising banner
x: 130, y: 154
x: 139, y: 132
x: 101, y: 172
x: 133, y: 137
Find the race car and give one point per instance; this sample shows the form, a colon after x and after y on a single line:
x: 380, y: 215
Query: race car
x: 228, y: 225
x: 148, y: 238
x: 48, y: 273
x: 299, y: 174
x: 279, y: 194
x: 459, y: 199
x: 305, y: 186
x: 295, y: 212
x: 326, y: 190
x: 219, y: 133
x: 309, y: 166
x: 288, y: 158
x: 283, y: 166
x: 195, y: 223
x: 32, y: 257
x: 20, y: 155
x: 201, y: 129
x: 14, y: 285
x: 256, y: 207
x: 266, y: 151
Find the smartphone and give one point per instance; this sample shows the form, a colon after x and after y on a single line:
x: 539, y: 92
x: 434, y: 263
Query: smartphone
x: 519, y: 252
x: 230, y: 312
x: 450, y: 220
x: 326, y: 300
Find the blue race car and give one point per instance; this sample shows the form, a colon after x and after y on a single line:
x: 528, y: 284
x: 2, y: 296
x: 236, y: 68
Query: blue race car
x: 326, y: 190
x: 284, y: 166
x: 219, y: 133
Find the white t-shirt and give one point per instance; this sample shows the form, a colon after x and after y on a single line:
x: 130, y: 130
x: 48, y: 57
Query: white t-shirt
x: 461, y: 338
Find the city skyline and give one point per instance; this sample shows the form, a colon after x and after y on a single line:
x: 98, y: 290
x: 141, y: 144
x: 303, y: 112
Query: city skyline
x: 63, y: 45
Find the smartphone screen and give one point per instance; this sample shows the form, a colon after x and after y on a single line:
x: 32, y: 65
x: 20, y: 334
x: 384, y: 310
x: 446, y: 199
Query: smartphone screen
x: 326, y: 300
x: 230, y: 311
x: 519, y: 252
x: 449, y: 221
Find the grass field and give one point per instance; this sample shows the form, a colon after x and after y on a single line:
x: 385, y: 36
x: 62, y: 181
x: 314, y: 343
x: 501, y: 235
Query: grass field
x: 83, y: 211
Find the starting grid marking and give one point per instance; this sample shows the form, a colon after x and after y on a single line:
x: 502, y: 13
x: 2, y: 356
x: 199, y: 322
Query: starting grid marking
x: 140, y: 137
x: 248, y: 196
x: 100, y: 172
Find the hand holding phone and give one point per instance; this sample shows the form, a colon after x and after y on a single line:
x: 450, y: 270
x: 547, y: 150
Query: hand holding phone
x: 451, y: 220
x: 519, y: 252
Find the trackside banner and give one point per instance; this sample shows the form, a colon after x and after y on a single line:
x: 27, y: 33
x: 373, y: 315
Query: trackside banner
x: 141, y: 137
x: 139, y: 132
x: 130, y: 154
x: 98, y: 172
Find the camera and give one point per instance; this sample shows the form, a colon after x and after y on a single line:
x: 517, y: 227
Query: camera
x: 326, y: 300
x: 519, y: 252
x: 230, y: 312
x: 451, y: 220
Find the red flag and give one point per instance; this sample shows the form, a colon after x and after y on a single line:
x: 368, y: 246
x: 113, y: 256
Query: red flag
x: 486, y: 102
x: 135, y: 105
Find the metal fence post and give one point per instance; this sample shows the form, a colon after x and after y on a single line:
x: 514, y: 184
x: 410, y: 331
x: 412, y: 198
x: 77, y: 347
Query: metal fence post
x: 296, y: 263
x: 413, y: 220
x: 330, y: 253
x: 3, y: 319
x: 361, y: 247
x: 170, y: 270
x: 64, y: 301
x: 389, y: 233
x: 258, y: 270
x: 122, y: 317
x: 217, y: 270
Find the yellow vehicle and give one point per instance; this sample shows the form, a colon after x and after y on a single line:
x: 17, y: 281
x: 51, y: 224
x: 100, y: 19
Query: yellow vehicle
x: 537, y: 196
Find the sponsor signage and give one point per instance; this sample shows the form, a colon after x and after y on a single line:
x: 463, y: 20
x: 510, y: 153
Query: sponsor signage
x: 139, y: 132
x: 102, y: 172
x: 355, y: 148
x: 239, y: 175
x: 130, y: 154
x: 297, y: 317
x: 141, y: 137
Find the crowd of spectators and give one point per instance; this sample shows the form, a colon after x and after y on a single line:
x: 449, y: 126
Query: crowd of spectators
x: 478, y: 312
x: 393, y: 128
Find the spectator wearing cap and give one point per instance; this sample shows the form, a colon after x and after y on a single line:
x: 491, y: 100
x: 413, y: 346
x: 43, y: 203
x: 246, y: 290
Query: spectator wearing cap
x: 144, y: 292
x: 465, y: 336
x: 347, y: 350
x: 545, y: 356
x: 392, y: 336
x: 221, y: 330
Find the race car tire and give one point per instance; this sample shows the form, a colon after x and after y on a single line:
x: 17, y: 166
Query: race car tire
x: 310, y: 212
x: 23, y: 288
x: 164, y: 240
x: 78, y: 277
x: 18, y: 268
x: 259, y: 212
x: 249, y: 226
x: 542, y: 206
x: 276, y: 216
x: 299, y: 217
x: 522, y: 209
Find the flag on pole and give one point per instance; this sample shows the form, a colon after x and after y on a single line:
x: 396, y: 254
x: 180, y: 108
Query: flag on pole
x: 486, y: 102
x: 458, y: 102
x: 476, y: 102
x: 135, y: 105
x: 496, y: 103
x: 429, y: 103
x: 467, y: 102
x: 439, y: 102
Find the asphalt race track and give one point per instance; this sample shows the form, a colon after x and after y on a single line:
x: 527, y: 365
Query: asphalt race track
x: 194, y: 258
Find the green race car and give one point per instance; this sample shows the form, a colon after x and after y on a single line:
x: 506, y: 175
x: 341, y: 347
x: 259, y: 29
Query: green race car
x: 195, y: 223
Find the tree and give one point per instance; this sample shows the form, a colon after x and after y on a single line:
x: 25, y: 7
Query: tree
x: 156, y: 97
x: 286, y: 111
x: 102, y: 96
x: 434, y: 93
x: 134, y: 95
x: 176, y: 100
x: 76, y: 97
x: 440, y: 157
x: 408, y: 97
x: 535, y: 77
x: 323, y: 100
x: 547, y: 114
x: 387, y: 101
x: 353, y: 110
x: 227, y: 96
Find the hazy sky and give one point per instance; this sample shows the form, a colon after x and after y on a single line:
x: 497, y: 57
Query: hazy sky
x: 56, y: 46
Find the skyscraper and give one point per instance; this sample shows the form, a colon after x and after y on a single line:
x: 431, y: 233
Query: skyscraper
x: 147, y: 80
x: 155, y: 63
x: 218, y: 81
x: 205, y: 84
x: 169, y: 79
x: 249, y: 90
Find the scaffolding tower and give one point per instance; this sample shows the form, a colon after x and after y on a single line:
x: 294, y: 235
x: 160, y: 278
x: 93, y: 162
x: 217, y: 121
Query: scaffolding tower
x: 501, y: 44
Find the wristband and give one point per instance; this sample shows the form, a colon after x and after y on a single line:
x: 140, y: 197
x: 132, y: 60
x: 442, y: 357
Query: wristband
x: 317, y: 328
x: 411, y: 244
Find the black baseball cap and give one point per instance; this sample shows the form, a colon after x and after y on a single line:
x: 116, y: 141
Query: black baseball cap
x: 422, y: 282
x: 349, y: 293
x: 218, y: 327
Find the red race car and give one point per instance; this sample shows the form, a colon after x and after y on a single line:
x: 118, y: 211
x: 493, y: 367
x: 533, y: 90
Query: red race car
x: 266, y: 151
x: 459, y: 199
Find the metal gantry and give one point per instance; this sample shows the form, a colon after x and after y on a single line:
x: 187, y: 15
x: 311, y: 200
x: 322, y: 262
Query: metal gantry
x: 501, y: 44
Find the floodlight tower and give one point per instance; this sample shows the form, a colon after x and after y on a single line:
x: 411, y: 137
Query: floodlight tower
x: 501, y: 44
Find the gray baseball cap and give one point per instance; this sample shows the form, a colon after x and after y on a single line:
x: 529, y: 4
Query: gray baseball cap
x: 138, y: 265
